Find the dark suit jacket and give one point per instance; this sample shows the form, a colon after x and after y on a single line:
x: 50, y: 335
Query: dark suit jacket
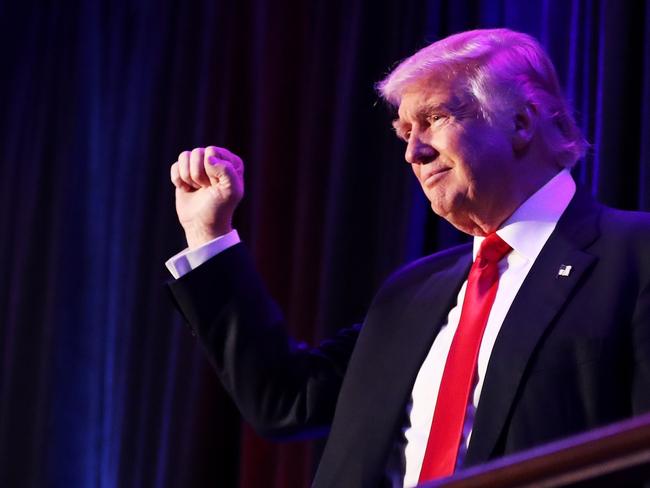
x: 572, y: 354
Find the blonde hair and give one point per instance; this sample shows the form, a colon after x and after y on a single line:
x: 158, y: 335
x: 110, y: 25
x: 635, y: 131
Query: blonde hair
x: 499, y: 69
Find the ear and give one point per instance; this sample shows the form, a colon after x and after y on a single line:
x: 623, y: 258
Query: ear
x: 525, y: 120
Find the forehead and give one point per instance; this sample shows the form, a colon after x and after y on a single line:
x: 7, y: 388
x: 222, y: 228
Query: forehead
x: 425, y: 97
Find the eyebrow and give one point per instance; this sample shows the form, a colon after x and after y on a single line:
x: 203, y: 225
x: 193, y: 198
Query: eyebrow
x: 423, y: 113
x: 428, y: 110
x: 398, y: 126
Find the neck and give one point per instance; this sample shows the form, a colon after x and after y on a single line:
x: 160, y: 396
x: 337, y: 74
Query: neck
x: 488, y: 218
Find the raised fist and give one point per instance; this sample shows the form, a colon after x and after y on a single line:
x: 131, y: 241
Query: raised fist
x: 209, y: 184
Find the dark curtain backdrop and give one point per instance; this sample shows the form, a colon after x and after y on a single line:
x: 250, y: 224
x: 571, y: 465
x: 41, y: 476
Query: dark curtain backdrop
x: 101, y: 385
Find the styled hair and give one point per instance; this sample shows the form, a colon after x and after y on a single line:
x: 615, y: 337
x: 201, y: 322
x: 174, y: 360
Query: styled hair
x: 500, y: 69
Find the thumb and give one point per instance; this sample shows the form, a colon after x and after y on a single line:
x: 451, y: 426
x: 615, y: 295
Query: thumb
x: 222, y: 172
x: 218, y: 168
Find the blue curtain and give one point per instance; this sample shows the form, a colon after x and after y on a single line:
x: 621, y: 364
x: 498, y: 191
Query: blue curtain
x: 101, y: 385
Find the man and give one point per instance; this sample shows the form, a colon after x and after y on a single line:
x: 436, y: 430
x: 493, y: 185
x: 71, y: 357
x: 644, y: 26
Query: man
x: 539, y: 330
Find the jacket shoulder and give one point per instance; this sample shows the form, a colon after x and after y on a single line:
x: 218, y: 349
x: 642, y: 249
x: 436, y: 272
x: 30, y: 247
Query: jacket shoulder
x: 625, y: 221
x: 415, y: 272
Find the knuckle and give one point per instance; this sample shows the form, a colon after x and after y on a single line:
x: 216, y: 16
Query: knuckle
x: 195, y: 171
x: 183, y: 170
x: 213, y: 161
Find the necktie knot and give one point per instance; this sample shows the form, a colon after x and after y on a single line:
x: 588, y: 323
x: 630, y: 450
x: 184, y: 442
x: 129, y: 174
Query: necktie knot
x: 493, y: 249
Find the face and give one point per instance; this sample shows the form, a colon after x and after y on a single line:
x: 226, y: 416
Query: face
x: 464, y: 164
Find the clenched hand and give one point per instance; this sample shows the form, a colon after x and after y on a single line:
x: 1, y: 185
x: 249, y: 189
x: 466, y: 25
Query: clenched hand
x: 209, y: 184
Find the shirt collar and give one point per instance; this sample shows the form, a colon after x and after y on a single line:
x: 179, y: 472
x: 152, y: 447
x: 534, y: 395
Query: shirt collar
x: 530, y: 226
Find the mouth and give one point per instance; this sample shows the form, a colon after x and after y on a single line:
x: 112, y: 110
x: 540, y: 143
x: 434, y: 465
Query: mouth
x: 436, y: 176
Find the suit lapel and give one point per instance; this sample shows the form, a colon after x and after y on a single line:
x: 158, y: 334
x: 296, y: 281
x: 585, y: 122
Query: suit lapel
x: 538, y: 301
x: 426, y: 314
x: 407, y: 338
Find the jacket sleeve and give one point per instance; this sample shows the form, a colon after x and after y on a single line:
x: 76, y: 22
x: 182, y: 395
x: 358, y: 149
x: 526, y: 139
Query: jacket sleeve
x: 281, y: 388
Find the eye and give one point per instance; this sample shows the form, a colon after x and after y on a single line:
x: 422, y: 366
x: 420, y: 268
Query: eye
x: 434, y: 118
x: 402, y: 133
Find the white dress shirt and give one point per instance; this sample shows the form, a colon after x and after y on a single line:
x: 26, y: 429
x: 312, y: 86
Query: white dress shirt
x: 526, y: 231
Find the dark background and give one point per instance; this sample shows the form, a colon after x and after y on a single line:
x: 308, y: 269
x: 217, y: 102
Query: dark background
x: 100, y: 384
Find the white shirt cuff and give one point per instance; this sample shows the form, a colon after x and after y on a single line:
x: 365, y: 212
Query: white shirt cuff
x: 186, y: 260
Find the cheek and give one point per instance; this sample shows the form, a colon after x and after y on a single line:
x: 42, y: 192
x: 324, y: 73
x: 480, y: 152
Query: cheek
x: 472, y: 158
x: 457, y: 150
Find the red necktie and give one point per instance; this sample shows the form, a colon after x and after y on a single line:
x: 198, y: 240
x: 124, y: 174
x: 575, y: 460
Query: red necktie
x: 458, y: 376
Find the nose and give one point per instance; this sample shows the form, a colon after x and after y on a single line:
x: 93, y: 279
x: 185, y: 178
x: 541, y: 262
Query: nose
x: 418, y: 151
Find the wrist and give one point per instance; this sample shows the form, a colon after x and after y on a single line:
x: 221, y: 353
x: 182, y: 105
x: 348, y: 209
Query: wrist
x: 196, y: 236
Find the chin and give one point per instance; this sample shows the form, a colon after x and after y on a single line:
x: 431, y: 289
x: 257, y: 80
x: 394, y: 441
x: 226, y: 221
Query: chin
x: 447, y: 208
x: 457, y: 217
